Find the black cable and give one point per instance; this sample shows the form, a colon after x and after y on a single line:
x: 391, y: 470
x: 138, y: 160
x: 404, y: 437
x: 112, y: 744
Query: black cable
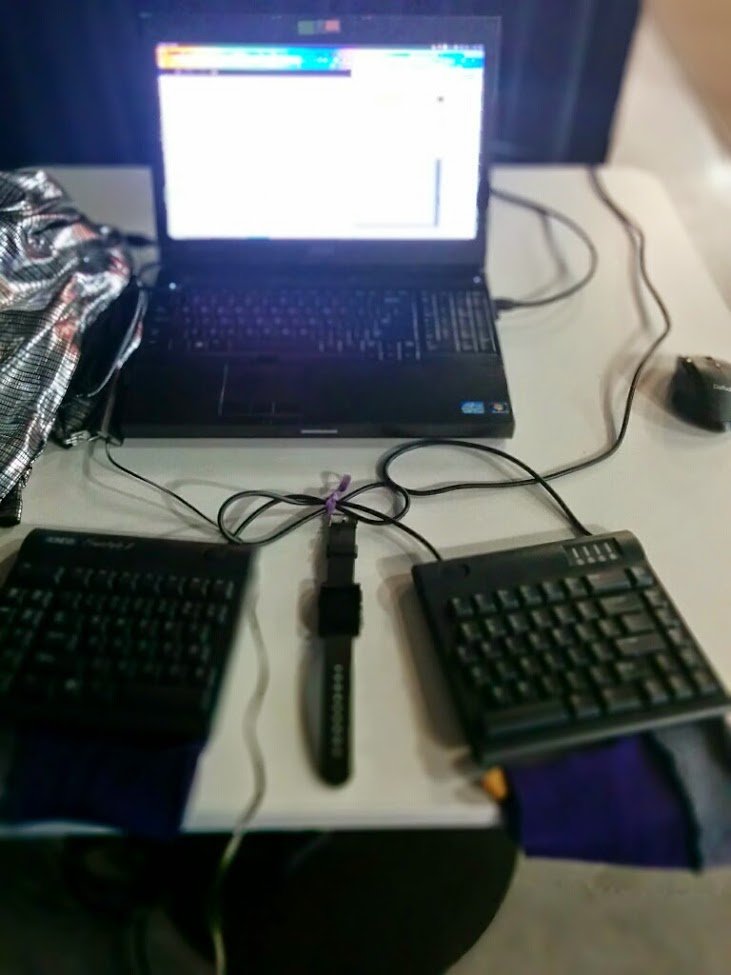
x: 547, y: 212
x: 639, y: 244
x: 346, y: 505
x: 153, y: 484
x: 384, y: 466
x: 359, y: 512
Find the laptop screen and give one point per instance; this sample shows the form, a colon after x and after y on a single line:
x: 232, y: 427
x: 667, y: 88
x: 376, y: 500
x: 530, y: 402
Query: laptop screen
x: 309, y: 142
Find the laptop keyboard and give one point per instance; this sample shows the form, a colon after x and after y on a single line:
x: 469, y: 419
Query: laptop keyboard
x: 386, y: 325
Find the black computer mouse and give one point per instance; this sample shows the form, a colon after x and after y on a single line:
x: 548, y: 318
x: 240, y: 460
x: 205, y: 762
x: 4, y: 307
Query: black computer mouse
x: 700, y: 392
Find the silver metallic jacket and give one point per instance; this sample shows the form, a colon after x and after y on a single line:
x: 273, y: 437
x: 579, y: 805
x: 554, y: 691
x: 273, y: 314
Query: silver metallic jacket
x: 58, y: 273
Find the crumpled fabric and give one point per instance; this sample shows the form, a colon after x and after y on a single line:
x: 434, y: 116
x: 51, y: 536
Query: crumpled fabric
x: 58, y: 273
x: 699, y: 757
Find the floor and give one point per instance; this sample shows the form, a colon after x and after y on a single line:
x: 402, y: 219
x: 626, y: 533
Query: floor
x: 565, y: 918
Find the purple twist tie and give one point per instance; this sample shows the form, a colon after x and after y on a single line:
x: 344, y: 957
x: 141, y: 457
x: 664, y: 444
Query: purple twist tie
x: 331, y: 501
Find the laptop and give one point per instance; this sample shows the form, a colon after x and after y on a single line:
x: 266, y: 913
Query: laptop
x: 321, y: 189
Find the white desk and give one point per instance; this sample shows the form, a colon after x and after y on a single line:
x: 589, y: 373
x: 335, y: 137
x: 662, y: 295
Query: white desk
x: 566, y: 365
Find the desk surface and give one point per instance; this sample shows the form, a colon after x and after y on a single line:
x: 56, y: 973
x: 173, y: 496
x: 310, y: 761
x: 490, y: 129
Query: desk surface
x: 568, y: 368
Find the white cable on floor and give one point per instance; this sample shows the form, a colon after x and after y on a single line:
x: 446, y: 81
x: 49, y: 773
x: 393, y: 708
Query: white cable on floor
x: 251, y: 716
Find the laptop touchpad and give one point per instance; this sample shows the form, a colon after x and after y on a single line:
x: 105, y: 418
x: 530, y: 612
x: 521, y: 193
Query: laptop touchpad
x: 267, y: 390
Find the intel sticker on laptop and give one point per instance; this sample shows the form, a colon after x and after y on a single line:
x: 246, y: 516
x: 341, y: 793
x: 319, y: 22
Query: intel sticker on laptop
x: 477, y: 407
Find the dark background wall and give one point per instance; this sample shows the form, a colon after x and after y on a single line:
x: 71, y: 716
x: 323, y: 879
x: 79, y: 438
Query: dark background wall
x: 70, y: 91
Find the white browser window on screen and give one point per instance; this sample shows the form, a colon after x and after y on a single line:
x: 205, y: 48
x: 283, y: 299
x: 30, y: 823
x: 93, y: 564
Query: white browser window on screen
x: 321, y: 143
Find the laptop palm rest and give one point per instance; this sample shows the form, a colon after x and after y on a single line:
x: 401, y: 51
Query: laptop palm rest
x: 264, y: 389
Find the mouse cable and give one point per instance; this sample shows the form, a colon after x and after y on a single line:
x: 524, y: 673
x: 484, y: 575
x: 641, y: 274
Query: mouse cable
x: 548, y: 213
x: 638, y: 241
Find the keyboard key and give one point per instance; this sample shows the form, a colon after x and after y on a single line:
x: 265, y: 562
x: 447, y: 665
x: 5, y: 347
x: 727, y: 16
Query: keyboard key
x: 223, y: 589
x: 484, y: 604
x: 584, y: 706
x: 618, y: 605
x: 507, y: 599
x: 29, y: 618
x: 553, y: 592
x: 641, y: 576
x: 563, y: 636
x: 539, y: 641
x: 601, y: 652
x: 504, y: 670
x: 196, y: 588
x: 586, y: 632
x: 565, y: 614
x: 588, y: 610
x: 628, y: 671
x: 466, y: 655
x: 609, y: 628
x: 500, y: 697
x: 666, y: 616
x: 619, y: 699
x: 529, y: 666
x: 548, y: 686
x: 35, y: 575
x: 60, y: 640
x: 514, y: 645
x: 691, y: 658
x: 601, y: 676
x: 610, y: 580
x: 632, y: 646
x: 460, y: 608
x: 677, y: 636
x: 705, y: 682
x: 518, y: 623
x: 489, y: 649
x: 576, y: 587
x: 552, y: 662
x: 172, y: 585
x: 478, y: 675
x: 542, y: 618
x: 530, y: 596
x: 666, y: 664
x: 654, y: 692
x: 494, y: 628
x: 680, y: 687
x: 655, y: 598
x: 39, y: 598
x: 528, y: 717
x: 578, y: 656
x: 525, y: 691
x: 217, y: 614
x: 577, y: 681
x: 637, y: 623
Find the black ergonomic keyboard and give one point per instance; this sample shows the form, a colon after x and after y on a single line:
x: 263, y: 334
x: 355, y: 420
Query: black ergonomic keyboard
x: 118, y: 634
x: 387, y: 325
x: 563, y: 644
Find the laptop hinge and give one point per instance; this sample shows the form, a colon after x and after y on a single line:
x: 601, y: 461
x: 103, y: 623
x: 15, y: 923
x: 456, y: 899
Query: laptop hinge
x: 367, y: 275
